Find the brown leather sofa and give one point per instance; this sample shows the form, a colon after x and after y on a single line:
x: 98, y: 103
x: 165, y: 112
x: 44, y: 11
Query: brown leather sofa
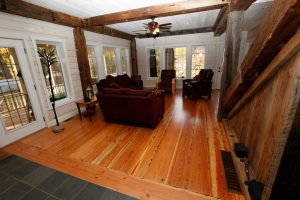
x: 120, y: 81
x: 200, y: 85
x: 133, y: 106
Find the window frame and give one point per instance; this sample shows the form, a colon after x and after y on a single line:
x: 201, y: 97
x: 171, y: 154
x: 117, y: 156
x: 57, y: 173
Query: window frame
x: 62, y: 54
x: 116, y: 60
x: 161, y: 65
x: 186, y: 60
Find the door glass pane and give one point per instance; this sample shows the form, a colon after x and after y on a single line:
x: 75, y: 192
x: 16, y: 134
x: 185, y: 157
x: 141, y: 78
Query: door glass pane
x: 15, y: 106
x: 57, y: 77
x: 198, y: 58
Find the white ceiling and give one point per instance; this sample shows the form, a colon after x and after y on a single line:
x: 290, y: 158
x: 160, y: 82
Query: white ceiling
x: 90, y: 8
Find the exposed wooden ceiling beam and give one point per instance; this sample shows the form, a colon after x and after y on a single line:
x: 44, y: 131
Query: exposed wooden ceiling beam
x: 109, y: 31
x: 24, y: 9
x: 279, y: 26
x: 239, y: 5
x: 163, y: 10
x: 221, y: 21
x: 182, y: 32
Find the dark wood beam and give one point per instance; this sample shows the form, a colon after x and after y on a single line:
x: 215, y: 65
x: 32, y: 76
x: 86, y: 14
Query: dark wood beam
x: 278, y: 27
x: 24, y: 9
x: 221, y: 21
x: 231, y: 55
x: 82, y: 59
x: 182, y: 32
x: 109, y: 31
x: 133, y: 56
x: 239, y: 5
x: 163, y: 10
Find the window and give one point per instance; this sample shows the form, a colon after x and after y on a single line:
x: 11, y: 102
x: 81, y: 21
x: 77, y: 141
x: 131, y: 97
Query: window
x: 93, y: 64
x: 110, y: 61
x: 154, y: 60
x: 198, y: 58
x: 55, y: 72
x: 124, y: 58
x: 175, y: 58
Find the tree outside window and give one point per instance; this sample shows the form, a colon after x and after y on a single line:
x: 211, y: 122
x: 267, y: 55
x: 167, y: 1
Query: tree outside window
x: 58, y: 82
x: 175, y: 58
x: 110, y: 61
x: 198, y: 59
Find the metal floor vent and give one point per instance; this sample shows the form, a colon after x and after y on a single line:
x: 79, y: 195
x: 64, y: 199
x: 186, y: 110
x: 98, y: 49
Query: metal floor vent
x: 232, y: 181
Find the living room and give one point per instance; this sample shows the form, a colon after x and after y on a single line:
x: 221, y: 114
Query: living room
x: 145, y: 142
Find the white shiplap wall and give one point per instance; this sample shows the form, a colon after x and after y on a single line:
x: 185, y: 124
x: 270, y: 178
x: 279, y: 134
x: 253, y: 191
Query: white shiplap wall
x: 28, y: 30
x: 214, y: 53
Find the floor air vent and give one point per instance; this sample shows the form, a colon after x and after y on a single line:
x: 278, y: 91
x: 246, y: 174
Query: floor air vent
x: 232, y: 181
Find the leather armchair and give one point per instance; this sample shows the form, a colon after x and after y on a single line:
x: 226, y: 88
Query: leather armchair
x: 199, y: 86
x: 167, y: 81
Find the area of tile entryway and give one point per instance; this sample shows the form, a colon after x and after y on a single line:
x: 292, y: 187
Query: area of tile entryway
x: 22, y: 179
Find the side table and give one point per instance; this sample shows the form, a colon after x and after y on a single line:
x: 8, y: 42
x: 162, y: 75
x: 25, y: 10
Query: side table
x: 90, y: 107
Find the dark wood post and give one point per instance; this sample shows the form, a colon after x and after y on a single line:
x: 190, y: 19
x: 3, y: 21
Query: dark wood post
x: 82, y: 59
x: 134, y: 65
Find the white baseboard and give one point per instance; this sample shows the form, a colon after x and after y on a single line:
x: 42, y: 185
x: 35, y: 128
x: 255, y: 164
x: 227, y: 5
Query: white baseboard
x: 62, y: 118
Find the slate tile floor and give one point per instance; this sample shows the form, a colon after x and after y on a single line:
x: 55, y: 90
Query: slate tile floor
x: 22, y: 179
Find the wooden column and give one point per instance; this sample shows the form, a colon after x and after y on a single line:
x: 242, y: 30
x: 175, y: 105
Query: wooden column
x: 133, y: 55
x: 82, y: 59
x: 231, y: 57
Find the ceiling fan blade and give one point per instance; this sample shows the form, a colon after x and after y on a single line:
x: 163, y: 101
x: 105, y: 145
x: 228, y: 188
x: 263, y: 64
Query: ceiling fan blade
x: 167, y: 24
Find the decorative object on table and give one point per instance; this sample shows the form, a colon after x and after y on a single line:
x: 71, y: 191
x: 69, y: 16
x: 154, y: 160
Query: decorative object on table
x: 89, y: 95
x: 48, y: 58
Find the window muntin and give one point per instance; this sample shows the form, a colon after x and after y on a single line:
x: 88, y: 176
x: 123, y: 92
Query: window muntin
x: 175, y: 58
x: 154, y: 62
x: 109, y: 56
x: 56, y: 72
x: 198, y: 59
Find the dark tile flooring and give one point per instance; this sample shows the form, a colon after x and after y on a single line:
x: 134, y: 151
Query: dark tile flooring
x: 22, y: 179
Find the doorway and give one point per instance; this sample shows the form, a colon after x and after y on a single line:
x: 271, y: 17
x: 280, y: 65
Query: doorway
x: 20, y: 113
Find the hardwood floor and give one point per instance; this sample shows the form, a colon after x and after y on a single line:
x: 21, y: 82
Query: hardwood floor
x: 179, y: 159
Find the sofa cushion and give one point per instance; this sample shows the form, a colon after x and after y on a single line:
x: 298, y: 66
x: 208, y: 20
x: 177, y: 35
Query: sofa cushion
x: 113, y: 85
x: 137, y: 92
x: 114, y: 91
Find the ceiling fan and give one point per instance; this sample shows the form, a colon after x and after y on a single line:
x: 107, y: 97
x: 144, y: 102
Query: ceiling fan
x: 152, y: 28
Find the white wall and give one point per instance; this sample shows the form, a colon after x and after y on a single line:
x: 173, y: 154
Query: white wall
x: 28, y: 30
x: 214, y: 53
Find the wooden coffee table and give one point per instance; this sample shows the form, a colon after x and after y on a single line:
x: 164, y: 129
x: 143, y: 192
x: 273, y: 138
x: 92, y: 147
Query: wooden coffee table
x: 90, y: 107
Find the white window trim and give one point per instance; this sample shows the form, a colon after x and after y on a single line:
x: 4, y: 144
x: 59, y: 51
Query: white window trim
x: 65, y: 69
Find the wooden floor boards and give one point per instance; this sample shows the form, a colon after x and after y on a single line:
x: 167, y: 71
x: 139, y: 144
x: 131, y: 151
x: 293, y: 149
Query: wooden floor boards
x: 179, y: 159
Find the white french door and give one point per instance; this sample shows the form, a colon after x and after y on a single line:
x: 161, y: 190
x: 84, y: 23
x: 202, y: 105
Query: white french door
x: 20, y: 113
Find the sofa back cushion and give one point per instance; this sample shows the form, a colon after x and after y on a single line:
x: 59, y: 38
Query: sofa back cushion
x: 137, y: 92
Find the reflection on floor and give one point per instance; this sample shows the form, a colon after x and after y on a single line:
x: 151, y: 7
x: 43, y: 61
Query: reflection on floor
x: 25, y: 180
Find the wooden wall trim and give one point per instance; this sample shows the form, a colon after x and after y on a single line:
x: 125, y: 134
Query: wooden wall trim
x: 162, y: 10
x: 278, y: 27
x: 288, y: 51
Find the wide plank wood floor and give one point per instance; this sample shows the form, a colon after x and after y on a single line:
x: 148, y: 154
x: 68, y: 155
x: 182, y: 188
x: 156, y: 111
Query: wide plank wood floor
x: 179, y: 159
